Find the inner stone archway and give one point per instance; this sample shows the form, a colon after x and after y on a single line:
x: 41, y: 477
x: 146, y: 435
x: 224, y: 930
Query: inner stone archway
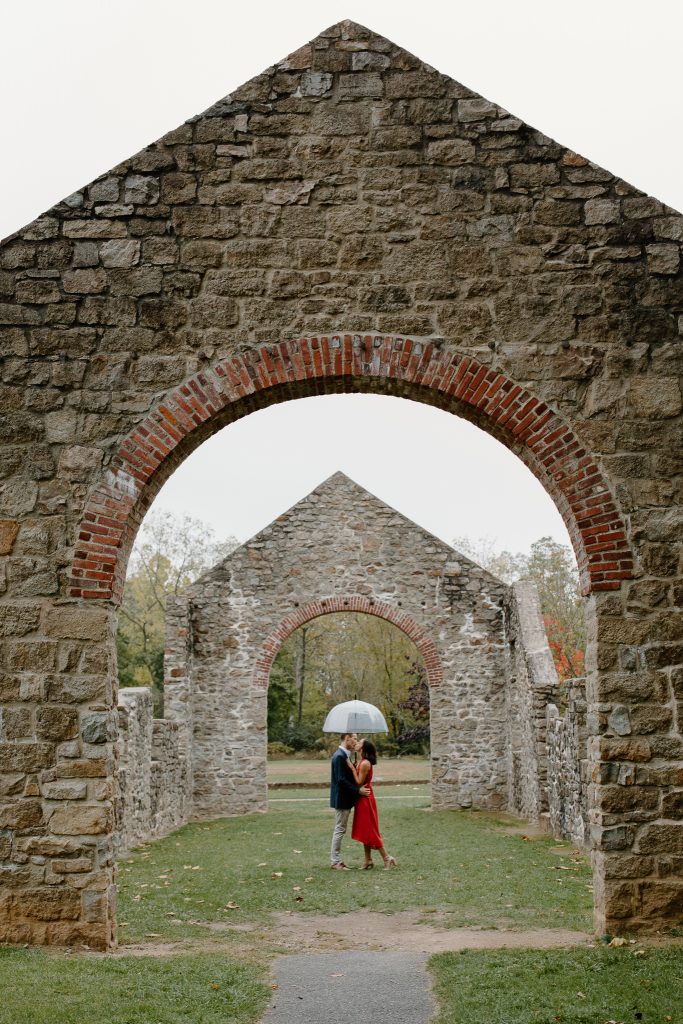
x: 350, y: 188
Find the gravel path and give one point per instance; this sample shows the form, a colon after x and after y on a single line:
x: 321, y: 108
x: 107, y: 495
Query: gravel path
x: 321, y: 988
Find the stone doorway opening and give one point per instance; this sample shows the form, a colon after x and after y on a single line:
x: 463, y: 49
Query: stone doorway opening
x: 333, y: 658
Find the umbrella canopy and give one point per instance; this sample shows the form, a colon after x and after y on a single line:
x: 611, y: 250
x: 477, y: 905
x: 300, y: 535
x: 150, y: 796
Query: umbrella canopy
x: 355, y: 716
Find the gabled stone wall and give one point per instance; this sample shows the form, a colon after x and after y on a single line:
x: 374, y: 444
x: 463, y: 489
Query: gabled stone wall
x: 282, y: 244
x: 339, y: 549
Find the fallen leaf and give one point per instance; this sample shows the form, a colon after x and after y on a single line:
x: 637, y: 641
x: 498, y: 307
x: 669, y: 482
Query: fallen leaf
x: 617, y: 941
x: 276, y: 874
x: 581, y: 995
x: 339, y: 975
x: 274, y: 985
x: 297, y: 851
x: 277, y: 833
x: 296, y: 888
x: 214, y: 984
x: 640, y: 952
x: 309, y: 879
x: 299, y: 899
x: 153, y: 935
x: 231, y: 906
x: 263, y: 864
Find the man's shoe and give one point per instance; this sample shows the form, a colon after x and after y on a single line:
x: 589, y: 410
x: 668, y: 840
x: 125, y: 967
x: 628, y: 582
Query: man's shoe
x: 339, y: 867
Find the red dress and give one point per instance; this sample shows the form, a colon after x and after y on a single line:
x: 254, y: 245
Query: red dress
x: 365, y: 820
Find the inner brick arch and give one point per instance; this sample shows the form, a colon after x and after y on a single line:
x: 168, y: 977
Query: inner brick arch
x: 352, y: 603
x: 423, y: 370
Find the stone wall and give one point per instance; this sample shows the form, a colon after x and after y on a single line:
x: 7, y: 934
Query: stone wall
x: 283, y: 244
x: 568, y: 766
x: 153, y: 772
x: 532, y: 683
x: 339, y: 549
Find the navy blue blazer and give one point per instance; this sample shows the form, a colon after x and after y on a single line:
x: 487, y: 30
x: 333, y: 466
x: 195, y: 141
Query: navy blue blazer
x: 344, y: 790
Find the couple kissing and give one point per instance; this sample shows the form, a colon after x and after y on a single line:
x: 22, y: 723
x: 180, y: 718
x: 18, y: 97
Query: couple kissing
x: 351, y: 789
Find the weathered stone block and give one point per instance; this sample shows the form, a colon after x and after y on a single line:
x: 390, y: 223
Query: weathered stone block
x: 55, y: 904
x: 120, y: 252
x: 21, y: 814
x: 78, y: 865
x: 25, y: 757
x: 85, y: 282
x: 65, y: 790
x: 141, y: 189
x: 80, y: 819
x: 98, y: 727
x: 663, y: 259
x: 655, y: 397
x: 661, y: 838
x: 56, y: 723
x: 87, y: 768
x: 77, y: 622
x: 661, y: 903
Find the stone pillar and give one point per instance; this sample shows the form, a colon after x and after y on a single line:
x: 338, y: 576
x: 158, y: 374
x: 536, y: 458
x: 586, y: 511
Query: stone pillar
x: 533, y: 681
x: 635, y: 750
x: 57, y: 768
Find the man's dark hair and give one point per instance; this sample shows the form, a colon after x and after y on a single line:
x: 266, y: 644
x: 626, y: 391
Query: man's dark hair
x: 344, y: 735
x: 368, y: 751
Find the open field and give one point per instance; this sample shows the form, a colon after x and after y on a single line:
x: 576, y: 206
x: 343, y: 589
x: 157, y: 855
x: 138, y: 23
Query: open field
x: 311, y: 771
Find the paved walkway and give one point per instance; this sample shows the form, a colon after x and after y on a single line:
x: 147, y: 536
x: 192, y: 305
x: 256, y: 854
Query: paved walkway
x: 329, y: 987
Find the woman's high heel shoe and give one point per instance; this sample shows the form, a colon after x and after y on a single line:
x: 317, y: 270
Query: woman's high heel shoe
x: 390, y: 863
x: 368, y: 867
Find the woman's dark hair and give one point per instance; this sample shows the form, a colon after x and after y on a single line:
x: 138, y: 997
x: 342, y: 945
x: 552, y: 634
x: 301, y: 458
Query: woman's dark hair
x: 368, y: 751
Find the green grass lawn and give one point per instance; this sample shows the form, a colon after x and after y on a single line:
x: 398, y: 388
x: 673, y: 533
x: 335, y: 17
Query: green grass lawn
x: 469, y: 866
x: 569, y: 986
x: 458, y: 868
x: 40, y: 988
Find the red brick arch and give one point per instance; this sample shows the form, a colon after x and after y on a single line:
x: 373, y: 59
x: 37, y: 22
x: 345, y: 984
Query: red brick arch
x: 348, y: 603
x: 426, y: 371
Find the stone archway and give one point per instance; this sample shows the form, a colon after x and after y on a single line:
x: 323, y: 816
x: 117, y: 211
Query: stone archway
x: 339, y: 549
x: 350, y: 187
x: 353, y: 603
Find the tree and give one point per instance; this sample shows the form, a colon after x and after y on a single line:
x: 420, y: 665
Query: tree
x: 504, y: 565
x: 552, y: 568
x: 169, y: 554
x: 332, y: 659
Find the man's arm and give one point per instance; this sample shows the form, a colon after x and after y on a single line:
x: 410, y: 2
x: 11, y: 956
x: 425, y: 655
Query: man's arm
x: 344, y: 776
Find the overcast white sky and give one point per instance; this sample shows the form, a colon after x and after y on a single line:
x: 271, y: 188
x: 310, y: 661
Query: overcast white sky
x: 86, y: 83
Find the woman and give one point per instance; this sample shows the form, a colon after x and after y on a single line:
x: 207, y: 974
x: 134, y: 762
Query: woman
x: 365, y: 820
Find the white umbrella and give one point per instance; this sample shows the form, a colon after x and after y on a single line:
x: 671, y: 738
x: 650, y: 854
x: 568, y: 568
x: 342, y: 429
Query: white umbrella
x: 355, y: 716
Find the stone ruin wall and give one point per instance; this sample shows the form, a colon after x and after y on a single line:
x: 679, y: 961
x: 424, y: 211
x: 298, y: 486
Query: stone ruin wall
x: 153, y: 772
x: 568, y: 766
x: 531, y: 684
x: 340, y: 544
x: 282, y: 244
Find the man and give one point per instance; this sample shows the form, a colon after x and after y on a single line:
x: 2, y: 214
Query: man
x: 344, y: 793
